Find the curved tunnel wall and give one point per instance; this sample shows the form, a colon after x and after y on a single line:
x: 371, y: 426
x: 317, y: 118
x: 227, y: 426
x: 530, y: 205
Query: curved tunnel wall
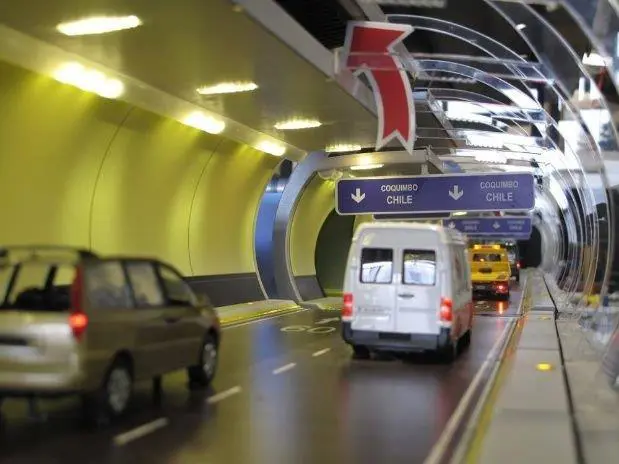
x: 332, y: 252
x: 310, y: 214
x: 79, y: 170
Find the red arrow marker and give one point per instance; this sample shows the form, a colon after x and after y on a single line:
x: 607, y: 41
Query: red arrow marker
x: 369, y: 49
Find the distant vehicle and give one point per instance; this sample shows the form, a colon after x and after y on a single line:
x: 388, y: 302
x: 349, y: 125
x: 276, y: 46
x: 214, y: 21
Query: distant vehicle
x: 74, y: 323
x: 513, y: 256
x: 490, y: 270
x: 407, y: 288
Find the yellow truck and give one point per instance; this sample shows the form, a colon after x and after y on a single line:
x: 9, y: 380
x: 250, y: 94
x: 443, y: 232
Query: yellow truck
x: 490, y: 270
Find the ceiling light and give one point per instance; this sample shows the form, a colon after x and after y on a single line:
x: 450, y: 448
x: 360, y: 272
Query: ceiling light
x: 521, y: 26
x: 343, y: 148
x: 594, y: 59
x: 98, y: 25
x: 89, y: 80
x: 297, y: 124
x: 227, y: 87
x: 459, y: 213
x: 205, y: 123
x: 366, y: 167
x: 271, y: 148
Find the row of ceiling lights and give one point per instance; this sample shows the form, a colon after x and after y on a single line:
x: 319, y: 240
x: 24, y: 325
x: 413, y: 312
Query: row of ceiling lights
x: 94, y: 81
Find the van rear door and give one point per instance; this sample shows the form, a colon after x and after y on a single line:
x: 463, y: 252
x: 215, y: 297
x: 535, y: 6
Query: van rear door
x: 374, y: 292
x: 418, y: 292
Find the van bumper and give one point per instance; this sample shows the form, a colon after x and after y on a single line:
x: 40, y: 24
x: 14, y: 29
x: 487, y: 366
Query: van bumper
x: 389, y: 341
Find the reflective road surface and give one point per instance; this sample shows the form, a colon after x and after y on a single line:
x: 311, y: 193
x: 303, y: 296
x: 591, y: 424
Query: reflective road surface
x: 286, y: 391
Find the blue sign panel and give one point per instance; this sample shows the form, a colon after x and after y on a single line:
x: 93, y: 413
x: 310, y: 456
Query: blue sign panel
x: 480, y: 226
x: 411, y: 216
x: 435, y: 194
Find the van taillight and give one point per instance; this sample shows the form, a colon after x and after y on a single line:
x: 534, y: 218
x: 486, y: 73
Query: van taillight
x: 347, y: 306
x: 446, y: 313
x: 78, y: 321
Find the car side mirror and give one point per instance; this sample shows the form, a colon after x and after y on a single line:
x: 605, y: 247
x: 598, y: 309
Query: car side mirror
x: 204, y: 300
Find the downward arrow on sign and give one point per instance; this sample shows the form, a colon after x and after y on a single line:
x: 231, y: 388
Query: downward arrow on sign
x: 369, y: 49
x: 496, y: 225
x: 357, y: 196
x: 456, y: 193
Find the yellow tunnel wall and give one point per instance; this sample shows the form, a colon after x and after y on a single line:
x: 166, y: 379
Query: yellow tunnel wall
x: 79, y: 170
x: 315, y: 204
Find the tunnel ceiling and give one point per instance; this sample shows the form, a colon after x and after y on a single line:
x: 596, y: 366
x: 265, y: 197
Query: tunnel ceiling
x: 194, y: 43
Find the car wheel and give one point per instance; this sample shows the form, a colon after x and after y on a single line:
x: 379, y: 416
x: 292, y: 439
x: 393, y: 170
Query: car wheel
x: 361, y: 352
x: 466, y: 338
x: 113, y: 397
x: 202, y: 374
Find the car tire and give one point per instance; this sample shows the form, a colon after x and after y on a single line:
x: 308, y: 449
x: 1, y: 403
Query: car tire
x: 202, y: 374
x: 360, y: 352
x: 466, y: 338
x: 114, y: 396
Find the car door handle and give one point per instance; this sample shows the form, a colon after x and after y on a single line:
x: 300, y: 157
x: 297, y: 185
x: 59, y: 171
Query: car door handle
x: 406, y: 295
x: 171, y: 320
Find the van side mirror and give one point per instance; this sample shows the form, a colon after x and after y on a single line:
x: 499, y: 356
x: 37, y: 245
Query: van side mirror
x: 204, y: 300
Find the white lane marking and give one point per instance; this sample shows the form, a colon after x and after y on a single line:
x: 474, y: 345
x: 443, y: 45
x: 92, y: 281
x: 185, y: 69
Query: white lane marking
x: 321, y: 352
x: 257, y: 321
x: 139, y: 432
x: 285, y: 368
x: 223, y: 395
x: 438, y: 450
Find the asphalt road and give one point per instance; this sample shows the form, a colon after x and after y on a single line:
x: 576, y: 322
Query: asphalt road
x: 287, y: 391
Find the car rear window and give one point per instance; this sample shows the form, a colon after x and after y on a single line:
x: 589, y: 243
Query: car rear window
x: 36, y: 285
x: 419, y: 267
x: 487, y: 257
x: 376, y: 265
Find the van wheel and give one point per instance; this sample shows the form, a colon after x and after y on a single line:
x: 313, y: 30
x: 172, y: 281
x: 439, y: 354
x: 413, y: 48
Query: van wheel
x: 449, y: 352
x: 466, y: 339
x: 360, y: 352
x: 202, y: 374
x: 113, y: 397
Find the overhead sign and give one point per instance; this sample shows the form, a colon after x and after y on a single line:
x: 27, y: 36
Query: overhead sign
x: 435, y: 193
x: 368, y: 49
x: 411, y: 217
x: 505, y: 226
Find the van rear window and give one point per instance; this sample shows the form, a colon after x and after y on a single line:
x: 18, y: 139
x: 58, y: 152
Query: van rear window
x: 487, y: 257
x: 419, y: 267
x: 376, y: 265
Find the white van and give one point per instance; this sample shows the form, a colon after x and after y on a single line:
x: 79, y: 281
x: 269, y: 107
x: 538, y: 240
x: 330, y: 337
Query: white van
x: 407, y: 288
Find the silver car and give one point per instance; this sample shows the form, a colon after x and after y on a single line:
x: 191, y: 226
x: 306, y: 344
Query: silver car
x: 75, y: 323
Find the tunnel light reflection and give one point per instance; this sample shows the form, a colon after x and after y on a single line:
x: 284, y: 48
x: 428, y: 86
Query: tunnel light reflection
x: 342, y: 148
x: 297, y: 124
x: 98, y: 25
x: 271, y: 148
x: 227, y: 87
x: 89, y: 80
x: 204, y: 123
x: 366, y: 167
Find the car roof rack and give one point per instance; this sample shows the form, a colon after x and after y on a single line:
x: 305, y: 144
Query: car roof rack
x: 83, y: 253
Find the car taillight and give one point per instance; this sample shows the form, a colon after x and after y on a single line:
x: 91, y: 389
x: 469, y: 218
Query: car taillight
x: 78, y: 321
x: 347, y: 306
x: 446, y: 313
x: 517, y: 264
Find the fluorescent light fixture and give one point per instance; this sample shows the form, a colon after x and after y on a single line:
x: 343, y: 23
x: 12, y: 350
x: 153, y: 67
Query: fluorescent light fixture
x: 459, y: 213
x: 205, y: 123
x: 89, y: 80
x: 227, y: 87
x: 98, y: 25
x: 297, y: 124
x: 521, y: 26
x: 366, y: 167
x: 343, y: 148
x: 271, y: 148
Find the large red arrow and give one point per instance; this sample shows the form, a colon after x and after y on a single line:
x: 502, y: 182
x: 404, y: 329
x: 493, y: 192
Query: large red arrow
x: 369, y: 49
